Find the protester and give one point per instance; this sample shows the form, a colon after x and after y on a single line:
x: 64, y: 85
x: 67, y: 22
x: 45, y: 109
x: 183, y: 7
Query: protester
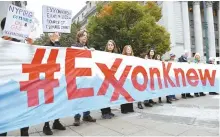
x: 158, y: 57
x: 172, y: 97
x: 184, y: 58
x: 128, y: 107
x: 24, y: 131
x: 81, y: 39
x: 151, y: 55
x: 197, y: 60
x: 54, y: 41
x: 112, y: 48
x: 212, y: 61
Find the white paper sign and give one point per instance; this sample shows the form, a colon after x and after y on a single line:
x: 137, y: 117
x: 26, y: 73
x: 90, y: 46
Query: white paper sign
x: 18, y: 22
x: 56, y: 19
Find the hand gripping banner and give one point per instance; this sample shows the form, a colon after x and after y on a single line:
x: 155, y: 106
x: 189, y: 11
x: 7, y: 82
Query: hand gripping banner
x: 39, y: 84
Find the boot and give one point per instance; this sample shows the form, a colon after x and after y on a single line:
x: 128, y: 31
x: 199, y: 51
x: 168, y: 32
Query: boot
x: 188, y: 95
x: 213, y: 93
x: 196, y: 94
x: 168, y: 100
x: 46, y: 129
x: 89, y: 119
x: 3, y: 134
x: 140, y: 105
x: 111, y: 114
x: 152, y: 102
x: 24, y: 131
x: 124, y: 112
x: 202, y: 94
x: 106, y: 116
x: 58, y: 125
x: 183, y: 96
x: 77, y: 122
x: 160, y: 101
x: 147, y: 104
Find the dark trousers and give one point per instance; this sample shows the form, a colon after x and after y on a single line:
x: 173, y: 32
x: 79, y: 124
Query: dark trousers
x: 200, y: 93
x: 85, y: 114
x: 22, y: 130
x: 106, y: 111
x: 128, y: 107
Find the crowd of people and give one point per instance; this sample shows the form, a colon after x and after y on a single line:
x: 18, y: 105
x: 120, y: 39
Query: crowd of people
x: 110, y: 47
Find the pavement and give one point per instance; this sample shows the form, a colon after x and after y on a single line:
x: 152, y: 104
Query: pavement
x: 198, y: 116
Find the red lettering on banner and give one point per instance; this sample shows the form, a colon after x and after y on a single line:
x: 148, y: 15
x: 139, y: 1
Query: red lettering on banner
x: 193, y: 79
x: 206, y: 76
x: 166, y: 76
x: 34, y: 84
x: 139, y: 69
x: 105, y: 84
x: 180, y: 71
x: 110, y: 79
x: 157, y: 72
x: 122, y: 80
x: 72, y: 72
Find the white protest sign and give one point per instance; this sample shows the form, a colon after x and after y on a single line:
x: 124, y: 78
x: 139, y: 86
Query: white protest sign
x: 56, y: 19
x: 18, y: 22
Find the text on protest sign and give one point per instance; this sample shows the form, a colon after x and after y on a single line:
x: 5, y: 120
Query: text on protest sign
x: 56, y: 19
x: 18, y: 22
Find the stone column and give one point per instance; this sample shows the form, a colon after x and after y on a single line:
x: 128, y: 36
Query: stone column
x: 186, y: 27
x: 198, y: 28
x: 211, y: 30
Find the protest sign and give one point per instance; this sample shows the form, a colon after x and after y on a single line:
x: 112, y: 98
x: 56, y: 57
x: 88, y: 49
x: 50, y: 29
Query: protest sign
x: 40, y: 84
x: 18, y: 22
x: 56, y: 19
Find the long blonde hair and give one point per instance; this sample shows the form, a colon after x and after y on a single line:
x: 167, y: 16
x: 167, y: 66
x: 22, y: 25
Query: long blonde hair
x: 124, y: 52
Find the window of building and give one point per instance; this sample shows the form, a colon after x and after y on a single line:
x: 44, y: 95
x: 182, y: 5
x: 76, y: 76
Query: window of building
x: 216, y: 26
x: 82, y: 15
x: 216, y: 42
x: 191, y: 24
x: 190, y: 9
x: 214, y: 12
x: 90, y: 4
x: 204, y: 25
x: 193, y: 40
x: 78, y: 19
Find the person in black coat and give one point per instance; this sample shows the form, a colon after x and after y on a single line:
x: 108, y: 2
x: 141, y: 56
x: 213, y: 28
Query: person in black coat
x: 183, y: 58
x: 54, y: 41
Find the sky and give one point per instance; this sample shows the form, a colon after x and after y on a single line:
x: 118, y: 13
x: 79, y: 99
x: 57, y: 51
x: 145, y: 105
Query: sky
x: 36, y: 7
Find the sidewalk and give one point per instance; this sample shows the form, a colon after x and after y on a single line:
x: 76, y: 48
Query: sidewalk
x: 185, y: 117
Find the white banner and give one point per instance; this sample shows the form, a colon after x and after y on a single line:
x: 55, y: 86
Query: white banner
x: 56, y: 19
x: 39, y: 83
x: 18, y: 22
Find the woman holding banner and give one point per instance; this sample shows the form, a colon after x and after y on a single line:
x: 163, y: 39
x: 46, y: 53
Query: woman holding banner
x: 82, y: 40
x: 128, y: 107
x: 197, y: 59
x: 158, y: 57
x: 151, y: 55
x: 112, y: 48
